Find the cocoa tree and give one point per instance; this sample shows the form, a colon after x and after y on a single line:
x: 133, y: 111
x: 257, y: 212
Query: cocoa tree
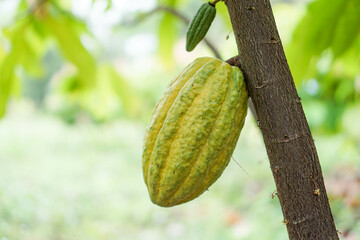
x: 290, y: 147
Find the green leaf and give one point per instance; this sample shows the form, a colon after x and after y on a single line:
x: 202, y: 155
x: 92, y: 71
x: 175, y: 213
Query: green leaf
x: 109, y: 5
x: 124, y: 91
x: 68, y: 39
x: 224, y: 14
x: 7, y: 68
x: 59, y: 12
x: 2, y: 54
x: 31, y: 61
x: 167, y: 35
x: 33, y: 50
x: 6, y: 81
x: 171, y: 3
x: 109, y: 104
x: 27, y: 50
x: 40, y: 34
x: 347, y: 29
x: 64, y: 4
x: 23, y: 7
x: 313, y: 35
x: 350, y: 60
x: 111, y: 95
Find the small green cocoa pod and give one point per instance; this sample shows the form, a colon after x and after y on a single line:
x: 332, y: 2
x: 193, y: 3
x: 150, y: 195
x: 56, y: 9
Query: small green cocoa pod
x: 200, y: 25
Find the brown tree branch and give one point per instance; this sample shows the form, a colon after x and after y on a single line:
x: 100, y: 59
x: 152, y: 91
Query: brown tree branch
x: 290, y: 147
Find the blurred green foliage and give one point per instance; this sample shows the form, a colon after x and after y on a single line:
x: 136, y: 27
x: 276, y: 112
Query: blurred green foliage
x: 324, y: 57
x: 323, y: 54
x: 39, y: 28
x: 84, y: 181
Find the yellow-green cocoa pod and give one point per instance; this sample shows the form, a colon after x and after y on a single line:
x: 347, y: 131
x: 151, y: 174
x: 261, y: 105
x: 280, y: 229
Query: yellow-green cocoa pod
x: 200, y: 25
x: 193, y: 131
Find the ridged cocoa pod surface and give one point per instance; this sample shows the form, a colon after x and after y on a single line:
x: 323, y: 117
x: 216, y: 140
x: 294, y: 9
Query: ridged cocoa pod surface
x: 193, y: 131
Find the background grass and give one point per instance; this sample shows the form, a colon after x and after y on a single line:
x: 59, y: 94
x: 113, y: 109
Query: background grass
x: 85, y: 182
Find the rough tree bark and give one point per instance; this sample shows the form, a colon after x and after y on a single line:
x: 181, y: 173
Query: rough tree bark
x: 290, y: 147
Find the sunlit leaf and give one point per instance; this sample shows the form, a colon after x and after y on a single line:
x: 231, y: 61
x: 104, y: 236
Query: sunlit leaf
x: 167, y: 35
x: 350, y: 60
x: 40, y: 33
x: 65, y: 4
x: 222, y: 11
x: 348, y: 28
x: 111, y: 95
x: 30, y: 61
x: 6, y: 81
x: 2, y: 53
x: 109, y: 5
x: 102, y: 102
x: 23, y: 6
x: 313, y: 35
x: 27, y: 50
x: 7, y: 68
x: 171, y: 3
x: 344, y: 92
x: 325, y: 47
x: 33, y: 49
x: 69, y: 42
x: 124, y: 91
x: 59, y: 12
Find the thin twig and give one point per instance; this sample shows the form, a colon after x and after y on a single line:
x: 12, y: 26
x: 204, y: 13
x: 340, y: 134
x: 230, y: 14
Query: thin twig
x: 183, y: 18
x: 214, y: 2
x: 26, y: 13
x: 37, y: 6
x: 239, y: 165
x: 173, y: 12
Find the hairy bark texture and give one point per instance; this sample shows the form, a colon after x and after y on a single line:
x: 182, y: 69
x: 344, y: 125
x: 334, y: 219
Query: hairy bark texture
x: 293, y: 158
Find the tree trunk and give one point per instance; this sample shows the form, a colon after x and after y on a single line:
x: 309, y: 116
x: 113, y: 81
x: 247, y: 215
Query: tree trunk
x: 293, y: 158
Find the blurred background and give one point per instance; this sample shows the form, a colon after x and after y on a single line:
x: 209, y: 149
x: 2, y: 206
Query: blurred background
x: 79, y: 80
